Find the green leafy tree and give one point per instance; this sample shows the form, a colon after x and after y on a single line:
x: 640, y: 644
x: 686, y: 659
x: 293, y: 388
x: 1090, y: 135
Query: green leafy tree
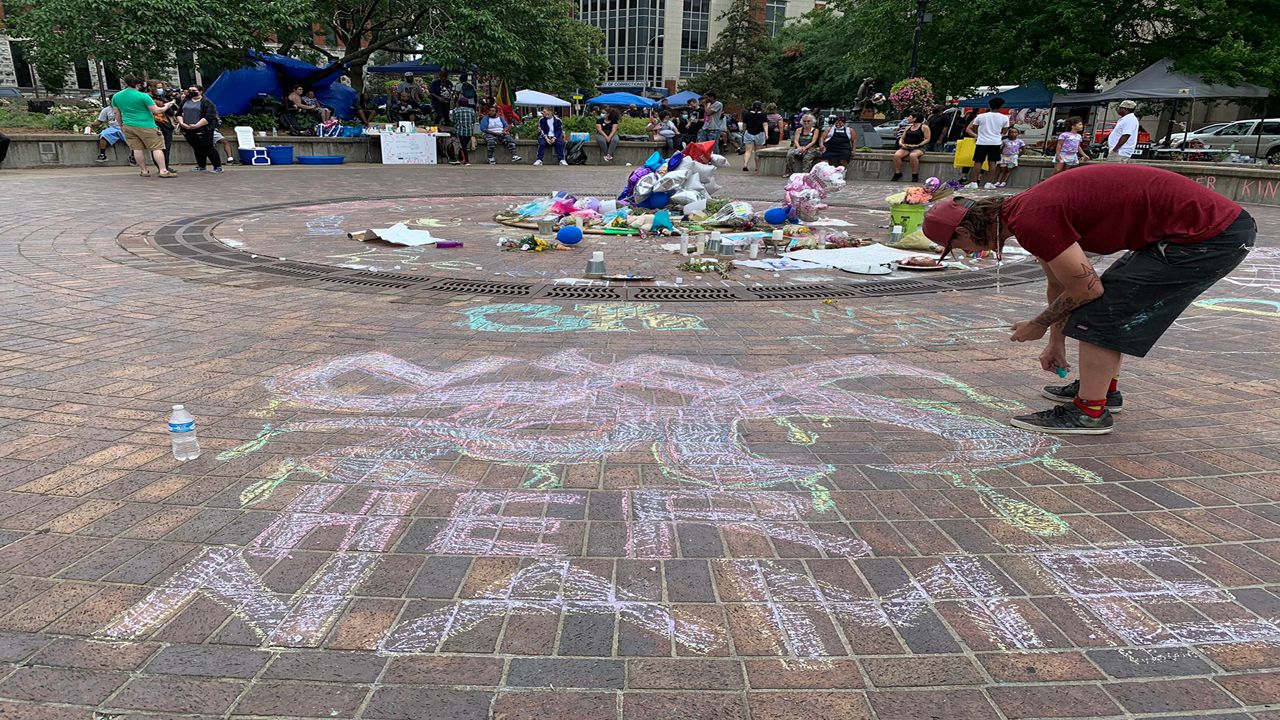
x: 142, y: 36
x: 739, y: 67
x: 810, y: 60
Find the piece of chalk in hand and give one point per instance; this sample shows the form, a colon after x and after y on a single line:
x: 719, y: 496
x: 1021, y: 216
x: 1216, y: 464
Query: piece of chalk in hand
x: 1062, y: 373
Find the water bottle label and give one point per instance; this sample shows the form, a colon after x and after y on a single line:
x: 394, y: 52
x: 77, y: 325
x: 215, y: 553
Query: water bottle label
x: 182, y: 427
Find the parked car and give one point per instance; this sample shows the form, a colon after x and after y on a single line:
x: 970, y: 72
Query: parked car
x: 1102, y: 131
x: 8, y: 93
x: 1251, y: 137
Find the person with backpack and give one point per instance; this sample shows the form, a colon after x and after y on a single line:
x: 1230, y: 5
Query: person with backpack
x: 197, y: 119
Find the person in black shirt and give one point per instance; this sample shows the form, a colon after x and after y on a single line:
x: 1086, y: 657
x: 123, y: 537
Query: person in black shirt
x: 607, y: 133
x: 693, y: 122
x: 937, y: 122
x: 754, y: 135
x: 911, y: 146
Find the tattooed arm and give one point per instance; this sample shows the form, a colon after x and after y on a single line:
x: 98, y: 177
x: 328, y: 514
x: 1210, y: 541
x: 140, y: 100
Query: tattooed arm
x: 1079, y: 284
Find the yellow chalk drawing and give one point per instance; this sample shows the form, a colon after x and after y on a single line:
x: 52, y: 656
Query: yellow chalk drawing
x: 797, y: 435
x: 607, y: 317
x: 1221, y: 304
x: 267, y: 411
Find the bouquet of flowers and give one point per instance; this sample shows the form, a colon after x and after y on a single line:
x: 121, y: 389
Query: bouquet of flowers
x: 527, y: 243
x: 911, y: 93
x: 931, y: 190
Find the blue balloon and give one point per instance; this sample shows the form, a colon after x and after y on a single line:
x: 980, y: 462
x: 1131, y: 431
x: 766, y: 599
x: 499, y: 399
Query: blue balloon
x: 569, y: 235
x: 777, y: 216
x: 656, y: 201
x: 655, y: 161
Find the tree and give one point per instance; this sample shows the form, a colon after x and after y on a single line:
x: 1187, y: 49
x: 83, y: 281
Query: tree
x: 739, y: 67
x: 142, y: 36
x: 810, y: 60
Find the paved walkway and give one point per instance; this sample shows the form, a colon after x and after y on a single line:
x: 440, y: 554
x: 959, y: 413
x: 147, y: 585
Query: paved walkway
x: 472, y: 506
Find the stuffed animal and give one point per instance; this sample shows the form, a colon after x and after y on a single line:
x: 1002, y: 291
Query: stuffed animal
x: 805, y: 191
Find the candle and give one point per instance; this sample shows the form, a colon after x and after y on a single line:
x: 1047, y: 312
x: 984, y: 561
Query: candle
x: 597, y: 256
x: 715, y: 235
x: 684, y: 244
x: 755, y: 249
x: 701, y: 244
x: 577, y: 220
x: 777, y: 236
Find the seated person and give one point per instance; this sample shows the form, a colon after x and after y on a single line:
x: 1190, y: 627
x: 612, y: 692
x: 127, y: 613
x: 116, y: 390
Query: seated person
x: 406, y: 99
x: 366, y: 109
x: 110, y: 135
x: 305, y: 103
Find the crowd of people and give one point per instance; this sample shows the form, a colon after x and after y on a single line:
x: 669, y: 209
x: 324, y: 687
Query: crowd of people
x: 144, y: 115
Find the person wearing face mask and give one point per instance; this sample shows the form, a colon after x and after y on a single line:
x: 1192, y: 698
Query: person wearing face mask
x: 164, y: 120
x: 197, y: 119
x: 607, y: 133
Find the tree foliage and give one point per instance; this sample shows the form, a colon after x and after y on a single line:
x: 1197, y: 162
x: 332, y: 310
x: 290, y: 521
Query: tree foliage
x: 739, y: 68
x: 142, y: 36
x: 969, y: 44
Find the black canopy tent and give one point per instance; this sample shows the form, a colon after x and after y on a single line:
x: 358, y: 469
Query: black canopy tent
x: 1161, y: 82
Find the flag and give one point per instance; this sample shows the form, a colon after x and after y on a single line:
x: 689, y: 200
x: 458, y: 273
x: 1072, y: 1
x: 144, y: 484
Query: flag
x: 506, y: 105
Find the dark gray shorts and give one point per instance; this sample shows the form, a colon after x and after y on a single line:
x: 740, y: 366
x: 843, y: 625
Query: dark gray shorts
x: 1146, y: 290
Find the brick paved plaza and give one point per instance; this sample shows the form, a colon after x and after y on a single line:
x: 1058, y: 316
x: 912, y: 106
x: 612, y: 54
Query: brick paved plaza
x: 430, y: 500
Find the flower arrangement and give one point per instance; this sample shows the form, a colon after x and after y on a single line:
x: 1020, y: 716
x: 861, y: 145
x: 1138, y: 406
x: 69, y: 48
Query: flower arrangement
x: 707, y: 266
x: 931, y: 190
x: 529, y: 242
x: 911, y: 93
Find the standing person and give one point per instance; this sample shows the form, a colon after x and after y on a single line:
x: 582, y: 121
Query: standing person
x: 838, y: 142
x: 110, y: 135
x: 441, y: 92
x: 1180, y: 239
x: 550, y: 134
x: 776, y: 129
x: 1069, y: 152
x: 667, y: 132
x: 754, y: 135
x: 911, y: 146
x: 496, y: 130
x: 165, y: 120
x: 1123, y: 139
x: 937, y: 122
x: 4, y: 147
x: 467, y: 90
x: 464, y: 122
x: 1010, y: 154
x: 137, y: 118
x: 713, y: 122
x: 804, y: 146
x: 989, y: 128
x: 694, y: 125
x: 607, y: 133
x: 198, y: 119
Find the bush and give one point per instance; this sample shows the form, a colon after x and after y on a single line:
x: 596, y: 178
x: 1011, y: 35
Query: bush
x: 528, y: 130
x: 257, y: 122
x: 11, y: 118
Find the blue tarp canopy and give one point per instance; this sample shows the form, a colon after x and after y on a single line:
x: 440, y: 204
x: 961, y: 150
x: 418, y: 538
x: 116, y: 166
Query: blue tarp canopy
x: 621, y: 98
x: 274, y: 75
x: 683, y: 97
x: 1024, y: 97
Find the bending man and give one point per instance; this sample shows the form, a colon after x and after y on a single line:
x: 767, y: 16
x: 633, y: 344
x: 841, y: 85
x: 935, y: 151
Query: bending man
x: 1180, y: 239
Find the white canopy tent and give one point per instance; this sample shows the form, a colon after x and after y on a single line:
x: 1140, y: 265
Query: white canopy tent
x: 533, y: 98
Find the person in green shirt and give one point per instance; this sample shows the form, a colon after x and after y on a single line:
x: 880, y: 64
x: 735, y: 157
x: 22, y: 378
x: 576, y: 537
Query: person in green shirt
x: 137, y: 112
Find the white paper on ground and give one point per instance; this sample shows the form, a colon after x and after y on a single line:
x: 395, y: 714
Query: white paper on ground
x: 400, y: 234
x: 859, y: 256
x: 830, y: 222
x: 778, y: 264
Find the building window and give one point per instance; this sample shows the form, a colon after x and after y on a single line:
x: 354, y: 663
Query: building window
x: 186, y: 69
x: 112, y: 77
x: 695, y: 30
x: 84, y: 75
x: 633, y: 38
x: 20, y: 66
x: 775, y: 14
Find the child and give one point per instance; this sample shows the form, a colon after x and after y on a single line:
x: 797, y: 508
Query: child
x: 1069, y: 153
x: 1010, y: 149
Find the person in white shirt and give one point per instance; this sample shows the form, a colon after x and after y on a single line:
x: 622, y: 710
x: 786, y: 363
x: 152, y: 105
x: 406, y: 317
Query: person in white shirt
x: 989, y: 128
x: 497, y: 130
x: 1124, y: 136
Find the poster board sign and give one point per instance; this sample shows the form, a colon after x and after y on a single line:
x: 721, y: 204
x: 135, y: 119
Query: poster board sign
x: 408, y: 149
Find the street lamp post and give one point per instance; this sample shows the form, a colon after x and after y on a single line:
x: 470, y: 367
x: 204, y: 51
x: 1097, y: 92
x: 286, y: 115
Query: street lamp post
x: 921, y: 18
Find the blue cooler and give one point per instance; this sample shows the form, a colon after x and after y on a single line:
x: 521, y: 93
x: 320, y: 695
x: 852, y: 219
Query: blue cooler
x: 280, y: 154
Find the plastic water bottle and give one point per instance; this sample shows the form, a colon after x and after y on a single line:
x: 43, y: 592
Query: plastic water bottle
x: 182, y: 430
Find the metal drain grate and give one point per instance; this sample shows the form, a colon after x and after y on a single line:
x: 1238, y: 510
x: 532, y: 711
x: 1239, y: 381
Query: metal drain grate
x: 801, y: 292
x: 357, y: 282
x: 482, y: 287
x: 570, y: 292
x: 676, y: 294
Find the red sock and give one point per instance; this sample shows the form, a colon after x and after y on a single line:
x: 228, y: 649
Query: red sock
x: 1092, y: 408
x: 1114, y: 379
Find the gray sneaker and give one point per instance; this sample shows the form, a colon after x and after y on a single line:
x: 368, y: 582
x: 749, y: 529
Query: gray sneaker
x: 1067, y: 393
x: 197, y: 170
x: 217, y: 171
x: 1065, y: 420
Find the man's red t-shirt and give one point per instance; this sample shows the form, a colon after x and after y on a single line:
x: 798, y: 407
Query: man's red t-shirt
x: 1108, y: 208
